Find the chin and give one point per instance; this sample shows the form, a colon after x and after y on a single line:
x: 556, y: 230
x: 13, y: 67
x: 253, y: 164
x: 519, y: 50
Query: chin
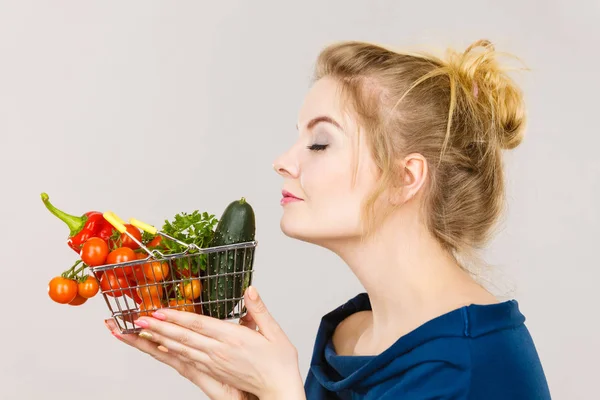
x: 322, y: 233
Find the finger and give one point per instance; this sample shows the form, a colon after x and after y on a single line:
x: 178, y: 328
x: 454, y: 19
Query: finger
x: 206, y: 326
x: 183, y: 349
x: 248, y: 322
x: 260, y: 314
x: 197, y: 373
x: 158, y: 352
x: 176, y: 333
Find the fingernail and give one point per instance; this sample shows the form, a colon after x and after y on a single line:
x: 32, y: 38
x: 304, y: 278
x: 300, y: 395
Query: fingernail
x: 163, y: 349
x: 252, y: 293
x: 117, y: 335
x: 158, y: 315
x: 141, y: 323
x: 145, y: 335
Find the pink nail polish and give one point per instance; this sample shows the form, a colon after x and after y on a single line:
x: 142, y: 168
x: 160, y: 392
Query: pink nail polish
x: 141, y: 323
x: 158, y: 315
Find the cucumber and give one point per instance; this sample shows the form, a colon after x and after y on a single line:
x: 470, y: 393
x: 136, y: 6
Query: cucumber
x: 236, y: 225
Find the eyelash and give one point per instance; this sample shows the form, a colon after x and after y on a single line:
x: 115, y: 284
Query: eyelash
x: 317, y: 147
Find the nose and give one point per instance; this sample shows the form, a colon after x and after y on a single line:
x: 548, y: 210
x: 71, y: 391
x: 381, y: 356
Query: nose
x: 286, y: 166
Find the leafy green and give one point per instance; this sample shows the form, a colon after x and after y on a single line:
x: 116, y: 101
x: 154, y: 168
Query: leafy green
x: 147, y: 237
x: 191, y: 228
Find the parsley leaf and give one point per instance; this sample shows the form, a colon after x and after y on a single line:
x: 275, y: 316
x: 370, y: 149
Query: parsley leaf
x: 191, y: 228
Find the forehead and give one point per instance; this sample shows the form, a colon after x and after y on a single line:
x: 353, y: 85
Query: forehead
x: 324, y: 99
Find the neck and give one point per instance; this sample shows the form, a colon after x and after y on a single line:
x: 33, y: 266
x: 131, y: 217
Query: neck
x: 408, y: 276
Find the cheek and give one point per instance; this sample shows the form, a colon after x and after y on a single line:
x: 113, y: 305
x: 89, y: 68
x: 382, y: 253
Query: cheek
x: 326, y: 179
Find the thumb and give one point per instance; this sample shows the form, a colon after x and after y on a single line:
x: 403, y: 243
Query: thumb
x: 261, y: 316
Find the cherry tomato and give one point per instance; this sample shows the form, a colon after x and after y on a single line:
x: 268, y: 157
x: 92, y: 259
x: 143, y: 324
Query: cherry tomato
x: 113, y: 285
x: 88, y: 288
x: 134, y: 295
x: 137, y: 275
x: 78, y: 300
x: 156, y: 271
x: 149, y: 305
x: 121, y: 255
x: 191, y: 289
x: 183, y: 267
x: 156, y: 242
x: 181, y: 305
x: 126, y: 240
x: 94, y: 251
x: 152, y: 290
x: 62, y: 290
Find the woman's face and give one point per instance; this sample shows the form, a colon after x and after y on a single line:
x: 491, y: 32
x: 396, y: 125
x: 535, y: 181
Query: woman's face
x: 320, y: 201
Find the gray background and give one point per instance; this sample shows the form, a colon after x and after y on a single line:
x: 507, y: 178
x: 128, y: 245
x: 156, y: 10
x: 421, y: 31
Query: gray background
x: 151, y: 108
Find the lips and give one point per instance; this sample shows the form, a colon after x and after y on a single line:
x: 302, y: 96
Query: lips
x: 288, y: 198
x: 287, y: 194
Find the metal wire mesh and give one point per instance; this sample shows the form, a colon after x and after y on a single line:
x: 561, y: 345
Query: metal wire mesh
x: 209, y: 281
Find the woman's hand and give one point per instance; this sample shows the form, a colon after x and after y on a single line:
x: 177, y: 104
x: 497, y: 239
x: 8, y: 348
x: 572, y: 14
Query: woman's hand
x: 224, y: 359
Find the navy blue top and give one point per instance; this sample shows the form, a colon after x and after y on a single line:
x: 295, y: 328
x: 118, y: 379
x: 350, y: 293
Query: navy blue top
x: 474, y: 352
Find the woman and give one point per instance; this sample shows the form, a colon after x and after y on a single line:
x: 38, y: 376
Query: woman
x: 398, y: 170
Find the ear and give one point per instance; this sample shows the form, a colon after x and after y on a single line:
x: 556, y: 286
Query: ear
x: 411, y: 177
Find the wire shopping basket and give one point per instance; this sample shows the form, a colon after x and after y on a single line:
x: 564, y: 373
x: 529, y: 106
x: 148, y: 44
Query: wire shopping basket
x: 156, y: 280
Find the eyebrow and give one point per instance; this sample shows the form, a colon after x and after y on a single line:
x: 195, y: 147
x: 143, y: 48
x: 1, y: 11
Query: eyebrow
x: 322, y: 118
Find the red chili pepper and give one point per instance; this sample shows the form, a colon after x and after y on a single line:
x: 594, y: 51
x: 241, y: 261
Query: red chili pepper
x: 90, y: 224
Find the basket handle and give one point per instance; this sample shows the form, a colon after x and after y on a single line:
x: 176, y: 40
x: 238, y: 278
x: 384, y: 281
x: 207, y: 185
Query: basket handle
x: 119, y: 225
x: 143, y: 226
x: 153, y: 231
x: 115, y: 221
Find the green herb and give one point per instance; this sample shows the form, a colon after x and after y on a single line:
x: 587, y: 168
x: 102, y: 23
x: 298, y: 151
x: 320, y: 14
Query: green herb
x: 191, y: 228
x: 147, y: 237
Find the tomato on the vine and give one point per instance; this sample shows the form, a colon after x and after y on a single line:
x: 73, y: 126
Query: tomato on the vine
x: 94, y: 251
x: 88, y: 288
x: 62, y: 290
x: 78, y: 300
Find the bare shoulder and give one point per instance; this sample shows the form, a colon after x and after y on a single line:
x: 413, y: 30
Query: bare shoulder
x: 349, y: 331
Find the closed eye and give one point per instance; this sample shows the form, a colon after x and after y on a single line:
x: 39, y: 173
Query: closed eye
x: 317, y: 147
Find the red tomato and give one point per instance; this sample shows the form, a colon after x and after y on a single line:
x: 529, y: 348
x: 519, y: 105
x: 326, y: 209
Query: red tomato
x: 156, y: 271
x: 78, y: 300
x: 155, y: 290
x: 181, y: 305
x: 156, y: 242
x: 121, y: 255
x: 183, y: 267
x: 62, y: 290
x: 113, y: 285
x: 88, y: 288
x: 149, y: 304
x: 126, y: 240
x: 134, y: 294
x: 94, y: 251
x: 191, y: 289
x: 138, y: 274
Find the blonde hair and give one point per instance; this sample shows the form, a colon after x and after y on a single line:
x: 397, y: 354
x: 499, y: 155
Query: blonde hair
x: 458, y: 112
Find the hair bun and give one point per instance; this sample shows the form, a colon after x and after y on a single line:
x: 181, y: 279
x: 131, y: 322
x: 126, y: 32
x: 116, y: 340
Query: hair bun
x: 496, y: 96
